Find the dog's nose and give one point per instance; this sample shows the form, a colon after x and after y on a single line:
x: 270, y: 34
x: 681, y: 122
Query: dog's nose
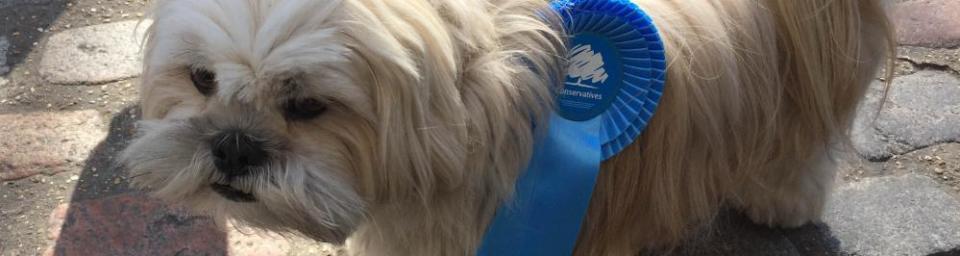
x: 235, y: 151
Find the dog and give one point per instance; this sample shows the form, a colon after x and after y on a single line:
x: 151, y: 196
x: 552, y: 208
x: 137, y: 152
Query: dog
x: 403, y: 124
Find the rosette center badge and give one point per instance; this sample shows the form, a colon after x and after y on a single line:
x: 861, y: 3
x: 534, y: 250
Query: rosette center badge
x: 593, y: 78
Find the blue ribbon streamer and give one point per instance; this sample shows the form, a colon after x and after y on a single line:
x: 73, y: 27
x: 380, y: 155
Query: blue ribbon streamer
x: 560, y: 179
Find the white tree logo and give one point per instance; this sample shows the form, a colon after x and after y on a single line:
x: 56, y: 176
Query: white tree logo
x: 585, y: 64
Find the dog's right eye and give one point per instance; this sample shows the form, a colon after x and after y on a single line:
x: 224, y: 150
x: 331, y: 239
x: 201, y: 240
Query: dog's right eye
x: 204, y: 80
x: 305, y: 109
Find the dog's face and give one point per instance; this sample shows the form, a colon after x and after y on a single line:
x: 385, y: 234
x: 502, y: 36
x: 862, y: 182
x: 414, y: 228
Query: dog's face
x: 312, y: 116
x: 257, y: 110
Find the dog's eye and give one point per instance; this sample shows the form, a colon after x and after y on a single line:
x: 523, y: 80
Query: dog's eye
x: 304, y: 109
x: 204, y: 80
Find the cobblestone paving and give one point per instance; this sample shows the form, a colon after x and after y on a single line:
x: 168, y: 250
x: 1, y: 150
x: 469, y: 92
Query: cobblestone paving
x: 67, y: 106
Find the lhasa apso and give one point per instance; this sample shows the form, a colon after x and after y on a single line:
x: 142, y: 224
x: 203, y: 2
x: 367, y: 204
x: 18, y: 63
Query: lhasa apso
x: 403, y: 124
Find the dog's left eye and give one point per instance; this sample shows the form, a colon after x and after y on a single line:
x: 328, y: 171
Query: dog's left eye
x: 304, y: 109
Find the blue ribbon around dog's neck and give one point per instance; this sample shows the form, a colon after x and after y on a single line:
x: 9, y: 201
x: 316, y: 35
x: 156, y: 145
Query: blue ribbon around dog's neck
x: 613, y: 85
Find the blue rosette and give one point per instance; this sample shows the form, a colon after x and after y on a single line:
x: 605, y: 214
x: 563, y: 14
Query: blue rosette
x: 613, y: 84
x: 616, y: 71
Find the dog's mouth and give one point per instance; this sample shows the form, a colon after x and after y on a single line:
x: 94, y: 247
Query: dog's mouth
x: 233, y: 194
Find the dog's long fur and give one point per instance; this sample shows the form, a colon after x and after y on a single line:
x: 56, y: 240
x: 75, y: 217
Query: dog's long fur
x: 431, y: 102
x: 757, y: 94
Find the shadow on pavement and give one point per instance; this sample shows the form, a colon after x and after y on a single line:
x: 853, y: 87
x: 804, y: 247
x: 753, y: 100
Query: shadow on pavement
x: 22, y: 24
x: 735, y: 234
x: 953, y: 252
x: 106, y: 217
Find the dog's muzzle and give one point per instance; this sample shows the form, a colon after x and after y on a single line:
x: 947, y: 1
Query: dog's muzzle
x: 236, y: 154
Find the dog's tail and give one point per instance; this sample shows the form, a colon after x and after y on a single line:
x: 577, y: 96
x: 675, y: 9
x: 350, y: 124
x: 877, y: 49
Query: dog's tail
x: 756, y: 91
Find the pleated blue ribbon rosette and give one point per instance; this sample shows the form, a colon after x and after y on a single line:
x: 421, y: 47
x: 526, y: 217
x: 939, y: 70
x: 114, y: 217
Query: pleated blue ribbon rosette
x: 614, y: 81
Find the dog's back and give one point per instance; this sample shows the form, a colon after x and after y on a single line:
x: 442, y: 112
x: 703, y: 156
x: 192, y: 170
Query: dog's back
x: 756, y: 93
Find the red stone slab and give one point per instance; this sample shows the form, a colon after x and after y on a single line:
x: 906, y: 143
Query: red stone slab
x: 927, y: 23
x: 133, y: 224
x: 46, y: 142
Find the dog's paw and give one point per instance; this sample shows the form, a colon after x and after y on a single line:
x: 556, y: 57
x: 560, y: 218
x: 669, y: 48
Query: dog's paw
x: 786, y: 211
x: 790, y: 199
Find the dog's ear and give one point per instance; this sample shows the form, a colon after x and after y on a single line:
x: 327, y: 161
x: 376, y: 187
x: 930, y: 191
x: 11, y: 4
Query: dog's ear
x: 156, y: 101
x: 410, y: 71
x: 454, y: 92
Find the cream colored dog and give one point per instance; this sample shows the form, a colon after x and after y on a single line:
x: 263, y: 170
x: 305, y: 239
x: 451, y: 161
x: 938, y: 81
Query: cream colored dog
x: 403, y: 124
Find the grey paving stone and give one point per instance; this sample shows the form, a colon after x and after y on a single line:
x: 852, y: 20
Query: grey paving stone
x: 922, y: 109
x: 905, y: 215
x: 38, y: 142
x: 947, y: 58
x: 94, y: 54
x: 929, y: 23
